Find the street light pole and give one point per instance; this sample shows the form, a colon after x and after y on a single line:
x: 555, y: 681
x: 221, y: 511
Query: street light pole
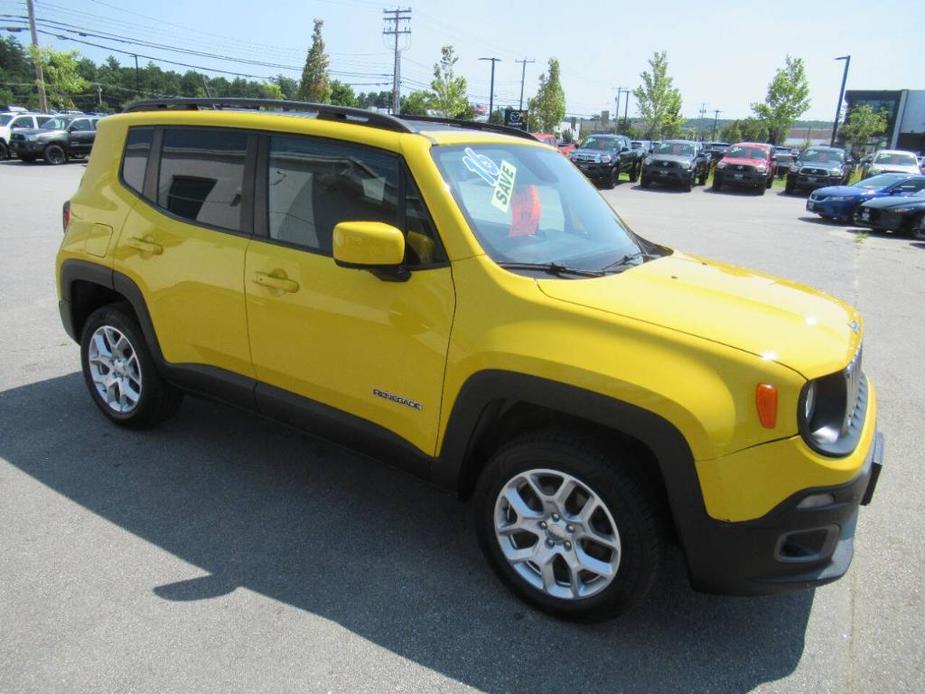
x: 491, y: 94
x: 841, y: 95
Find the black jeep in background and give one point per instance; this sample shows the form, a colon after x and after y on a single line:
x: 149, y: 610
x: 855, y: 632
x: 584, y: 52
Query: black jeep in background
x: 60, y: 139
x: 602, y: 158
x: 677, y: 162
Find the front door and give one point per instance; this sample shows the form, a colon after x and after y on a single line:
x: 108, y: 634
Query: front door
x: 342, y: 337
x: 81, y: 136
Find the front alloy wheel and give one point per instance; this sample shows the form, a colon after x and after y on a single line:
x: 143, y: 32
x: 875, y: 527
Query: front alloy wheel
x: 556, y: 534
x: 55, y: 154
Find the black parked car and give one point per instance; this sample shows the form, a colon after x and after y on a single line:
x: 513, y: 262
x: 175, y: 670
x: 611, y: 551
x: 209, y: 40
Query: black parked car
x: 900, y: 214
x: 678, y: 162
x: 819, y: 166
x: 58, y: 140
x: 602, y: 158
x: 783, y: 160
x: 717, y: 150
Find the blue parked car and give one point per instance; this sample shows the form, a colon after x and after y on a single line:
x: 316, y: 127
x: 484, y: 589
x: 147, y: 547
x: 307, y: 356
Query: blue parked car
x: 840, y: 202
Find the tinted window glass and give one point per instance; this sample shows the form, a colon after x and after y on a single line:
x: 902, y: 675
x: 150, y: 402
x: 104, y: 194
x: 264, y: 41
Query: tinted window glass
x: 22, y: 122
x: 81, y: 125
x: 137, y: 147
x: 202, y: 175
x: 422, y: 242
x: 314, y: 184
x: 41, y: 120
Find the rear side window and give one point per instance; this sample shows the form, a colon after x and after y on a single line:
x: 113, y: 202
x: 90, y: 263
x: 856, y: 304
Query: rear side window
x: 135, y: 161
x: 202, y: 175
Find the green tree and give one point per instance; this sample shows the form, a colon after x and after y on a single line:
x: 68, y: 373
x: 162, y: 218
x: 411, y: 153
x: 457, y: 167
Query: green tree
x: 416, y: 103
x: 449, y: 91
x: 659, y: 101
x: 547, y: 108
x: 315, y: 84
x: 271, y: 90
x: 753, y: 130
x: 786, y: 101
x: 288, y: 86
x: 62, y: 77
x: 732, y: 133
x: 863, y: 123
x: 342, y: 94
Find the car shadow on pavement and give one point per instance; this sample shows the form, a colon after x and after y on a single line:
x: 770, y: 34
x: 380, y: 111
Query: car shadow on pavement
x: 260, y: 506
x: 655, y: 188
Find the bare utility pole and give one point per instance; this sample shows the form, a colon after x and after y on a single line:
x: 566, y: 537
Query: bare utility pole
x: 523, y: 77
x: 491, y: 92
x: 39, y: 77
x: 616, y: 109
x: 626, y: 112
x: 137, y: 80
x: 703, y: 113
x: 394, y: 28
x: 716, y: 113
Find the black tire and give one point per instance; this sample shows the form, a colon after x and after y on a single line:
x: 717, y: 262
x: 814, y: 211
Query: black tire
x: 761, y: 190
x: 54, y: 154
x: 789, y: 187
x: 158, y: 400
x: 28, y: 158
x: 4, y: 151
x: 644, y: 181
x: 612, y: 178
x: 634, y: 172
x: 613, y: 477
x: 688, y: 185
x: 702, y: 181
x: 769, y: 183
x: 717, y: 183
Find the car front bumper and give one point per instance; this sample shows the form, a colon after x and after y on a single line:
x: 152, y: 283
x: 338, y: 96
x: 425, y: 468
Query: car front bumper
x: 674, y: 175
x: 594, y: 170
x: 880, y: 219
x: 796, y: 545
x: 26, y: 147
x: 832, y: 208
x: 741, y: 178
x: 813, y: 182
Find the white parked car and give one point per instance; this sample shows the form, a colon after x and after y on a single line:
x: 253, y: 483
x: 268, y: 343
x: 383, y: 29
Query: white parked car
x: 18, y: 121
x: 892, y: 161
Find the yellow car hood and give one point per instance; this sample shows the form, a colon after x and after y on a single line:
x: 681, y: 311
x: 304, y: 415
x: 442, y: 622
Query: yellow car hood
x: 790, y: 323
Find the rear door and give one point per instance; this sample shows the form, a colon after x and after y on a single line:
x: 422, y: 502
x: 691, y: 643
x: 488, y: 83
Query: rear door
x: 372, y: 349
x: 183, y: 244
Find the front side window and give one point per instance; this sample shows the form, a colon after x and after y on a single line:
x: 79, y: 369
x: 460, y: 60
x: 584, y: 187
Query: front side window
x: 530, y: 205
x: 315, y: 184
x: 202, y: 175
x: 56, y: 124
x: 81, y: 125
x: 135, y: 161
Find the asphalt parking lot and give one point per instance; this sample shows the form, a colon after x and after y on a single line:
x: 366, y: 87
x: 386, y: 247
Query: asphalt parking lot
x: 227, y: 553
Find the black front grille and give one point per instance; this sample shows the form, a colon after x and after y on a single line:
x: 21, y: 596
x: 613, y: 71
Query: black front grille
x: 853, y: 380
x: 742, y: 167
x: 869, y: 214
x: 809, y: 171
x: 666, y: 164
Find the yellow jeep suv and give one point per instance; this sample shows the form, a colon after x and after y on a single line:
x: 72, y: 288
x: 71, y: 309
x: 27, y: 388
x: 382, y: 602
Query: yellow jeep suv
x: 457, y: 300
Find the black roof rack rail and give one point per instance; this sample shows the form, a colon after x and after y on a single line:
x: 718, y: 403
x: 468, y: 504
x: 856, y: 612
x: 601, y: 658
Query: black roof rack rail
x: 474, y: 125
x: 346, y: 114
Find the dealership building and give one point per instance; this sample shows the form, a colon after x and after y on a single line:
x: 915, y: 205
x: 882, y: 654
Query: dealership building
x: 905, y: 112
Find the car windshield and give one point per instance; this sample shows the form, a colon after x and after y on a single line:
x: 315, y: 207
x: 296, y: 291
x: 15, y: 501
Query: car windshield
x: 881, y: 181
x: 529, y: 205
x: 896, y: 158
x: 822, y: 156
x: 603, y: 143
x: 5, y: 118
x: 56, y: 124
x: 746, y: 152
x: 679, y: 149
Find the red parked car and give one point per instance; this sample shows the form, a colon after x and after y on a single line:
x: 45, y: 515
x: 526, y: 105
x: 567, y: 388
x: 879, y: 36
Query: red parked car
x: 552, y: 141
x: 746, y: 164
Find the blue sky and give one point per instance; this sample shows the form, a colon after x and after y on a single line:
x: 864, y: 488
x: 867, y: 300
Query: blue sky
x: 722, y: 53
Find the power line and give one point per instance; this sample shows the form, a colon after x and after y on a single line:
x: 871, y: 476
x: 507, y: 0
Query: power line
x: 394, y: 28
x: 523, y: 77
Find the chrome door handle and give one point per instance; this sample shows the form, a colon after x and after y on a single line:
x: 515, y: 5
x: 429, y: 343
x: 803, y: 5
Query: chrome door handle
x: 273, y: 282
x: 145, y: 246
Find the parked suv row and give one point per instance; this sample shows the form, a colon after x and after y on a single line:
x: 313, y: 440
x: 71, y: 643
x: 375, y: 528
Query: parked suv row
x: 746, y: 164
x: 59, y: 139
x: 602, y: 158
x: 676, y: 162
x: 16, y: 121
x: 460, y: 302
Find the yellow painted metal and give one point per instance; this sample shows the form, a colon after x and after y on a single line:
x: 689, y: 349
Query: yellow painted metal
x: 368, y: 243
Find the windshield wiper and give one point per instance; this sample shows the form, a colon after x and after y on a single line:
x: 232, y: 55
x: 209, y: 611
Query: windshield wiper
x: 627, y: 260
x: 552, y: 269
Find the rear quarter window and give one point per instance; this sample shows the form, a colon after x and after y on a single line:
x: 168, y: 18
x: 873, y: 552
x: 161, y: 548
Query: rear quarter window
x: 135, y: 160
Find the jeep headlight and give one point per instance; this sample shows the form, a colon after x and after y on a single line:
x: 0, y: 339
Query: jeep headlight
x: 605, y: 159
x: 832, y: 409
x: 809, y: 401
x: 721, y: 165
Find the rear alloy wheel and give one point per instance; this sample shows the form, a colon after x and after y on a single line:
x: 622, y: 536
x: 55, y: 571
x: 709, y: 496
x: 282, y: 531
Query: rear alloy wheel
x: 55, y: 154
x: 568, y: 526
x: 120, y: 373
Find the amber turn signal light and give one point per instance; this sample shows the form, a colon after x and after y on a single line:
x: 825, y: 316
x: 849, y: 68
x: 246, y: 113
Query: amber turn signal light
x: 766, y: 402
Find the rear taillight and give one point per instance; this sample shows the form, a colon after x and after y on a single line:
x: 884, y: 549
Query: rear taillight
x: 66, y: 215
